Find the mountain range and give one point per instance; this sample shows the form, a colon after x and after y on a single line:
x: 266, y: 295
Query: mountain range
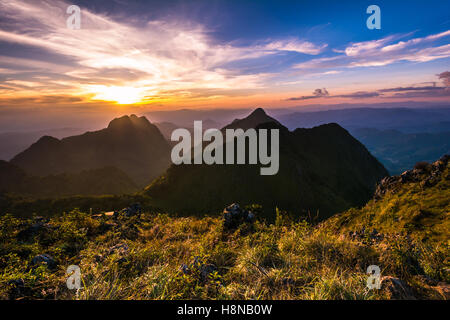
x: 130, y: 143
x: 399, y: 151
x: 322, y: 170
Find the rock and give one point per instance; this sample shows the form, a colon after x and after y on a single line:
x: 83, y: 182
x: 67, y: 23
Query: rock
x: 396, y: 288
x: 44, y: 259
x: 132, y: 210
x: 206, y: 270
x: 38, y: 227
x: 201, y: 269
x: 426, y: 174
x: 233, y: 216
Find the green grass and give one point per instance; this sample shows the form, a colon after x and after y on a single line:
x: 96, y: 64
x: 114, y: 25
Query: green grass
x: 285, y: 260
x: 412, y: 209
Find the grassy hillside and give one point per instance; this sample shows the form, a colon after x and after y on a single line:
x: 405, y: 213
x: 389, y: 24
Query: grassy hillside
x: 142, y: 257
x: 416, y: 203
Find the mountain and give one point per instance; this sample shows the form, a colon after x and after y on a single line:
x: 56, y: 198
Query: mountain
x: 130, y: 143
x: 323, y: 169
x: 398, y: 151
x: 11, y: 143
x: 406, y: 120
x: 415, y: 203
x: 257, y: 117
x: 108, y: 180
x: 167, y: 128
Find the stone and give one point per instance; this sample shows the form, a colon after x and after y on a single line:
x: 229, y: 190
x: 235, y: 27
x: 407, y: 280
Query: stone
x: 233, y: 216
x: 44, y: 259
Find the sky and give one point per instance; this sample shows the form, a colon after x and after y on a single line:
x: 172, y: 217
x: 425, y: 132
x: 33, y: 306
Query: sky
x: 162, y: 55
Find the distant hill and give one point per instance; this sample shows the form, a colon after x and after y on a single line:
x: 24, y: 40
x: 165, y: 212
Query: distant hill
x: 108, y: 180
x: 321, y: 169
x: 399, y: 151
x: 130, y: 143
x: 406, y: 120
x: 11, y: 143
x: 415, y: 203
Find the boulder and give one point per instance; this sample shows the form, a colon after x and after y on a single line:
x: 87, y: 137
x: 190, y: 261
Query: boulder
x: 44, y: 259
x: 233, y: 216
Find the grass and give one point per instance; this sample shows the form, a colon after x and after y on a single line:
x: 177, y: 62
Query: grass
x: 140, y: 258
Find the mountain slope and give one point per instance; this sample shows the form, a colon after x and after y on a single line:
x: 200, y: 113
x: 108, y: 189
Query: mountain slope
x: 416, y: 203
x: 108, y: 180
x: 131, y: 144
x: 322, y: 169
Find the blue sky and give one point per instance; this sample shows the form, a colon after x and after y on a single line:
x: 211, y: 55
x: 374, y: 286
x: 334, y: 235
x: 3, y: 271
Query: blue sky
x: 168, y: 54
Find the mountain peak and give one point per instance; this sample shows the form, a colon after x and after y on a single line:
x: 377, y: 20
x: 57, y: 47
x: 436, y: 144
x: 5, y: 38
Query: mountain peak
x: 258, y: 112
x: 129, y: 121
x: 257, y: 117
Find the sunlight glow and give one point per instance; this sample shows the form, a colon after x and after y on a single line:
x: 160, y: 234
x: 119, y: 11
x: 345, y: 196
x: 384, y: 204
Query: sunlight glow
x: 118, y: 94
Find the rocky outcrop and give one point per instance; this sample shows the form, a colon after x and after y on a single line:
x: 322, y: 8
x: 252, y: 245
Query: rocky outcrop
x: 233, y: 216
x: 44, y: 259
x: 426, y: 174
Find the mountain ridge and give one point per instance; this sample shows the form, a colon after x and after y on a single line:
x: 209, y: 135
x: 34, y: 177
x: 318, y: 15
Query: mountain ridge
x: 321, y: 169
x: 130, y: 143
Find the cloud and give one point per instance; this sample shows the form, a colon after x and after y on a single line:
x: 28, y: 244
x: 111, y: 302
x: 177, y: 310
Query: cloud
x: 359, y: 95
x: 394, y: 92
x: 296, y: 45
x: 318, y: 93
x: 445, y: 77
x: 159, y: 56
x: 381, y: 52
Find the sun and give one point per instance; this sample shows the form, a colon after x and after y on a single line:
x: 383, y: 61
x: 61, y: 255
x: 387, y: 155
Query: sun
x: 118, y: 94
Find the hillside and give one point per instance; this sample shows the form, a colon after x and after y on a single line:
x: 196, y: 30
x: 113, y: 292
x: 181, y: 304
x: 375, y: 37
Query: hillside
x: 322, y: 170
x: 415, y: 203
x: 108, y: 180
x: 155, y: 256
x: 130, y: 143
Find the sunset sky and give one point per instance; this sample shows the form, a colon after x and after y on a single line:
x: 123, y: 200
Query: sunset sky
x: 203, y: 54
